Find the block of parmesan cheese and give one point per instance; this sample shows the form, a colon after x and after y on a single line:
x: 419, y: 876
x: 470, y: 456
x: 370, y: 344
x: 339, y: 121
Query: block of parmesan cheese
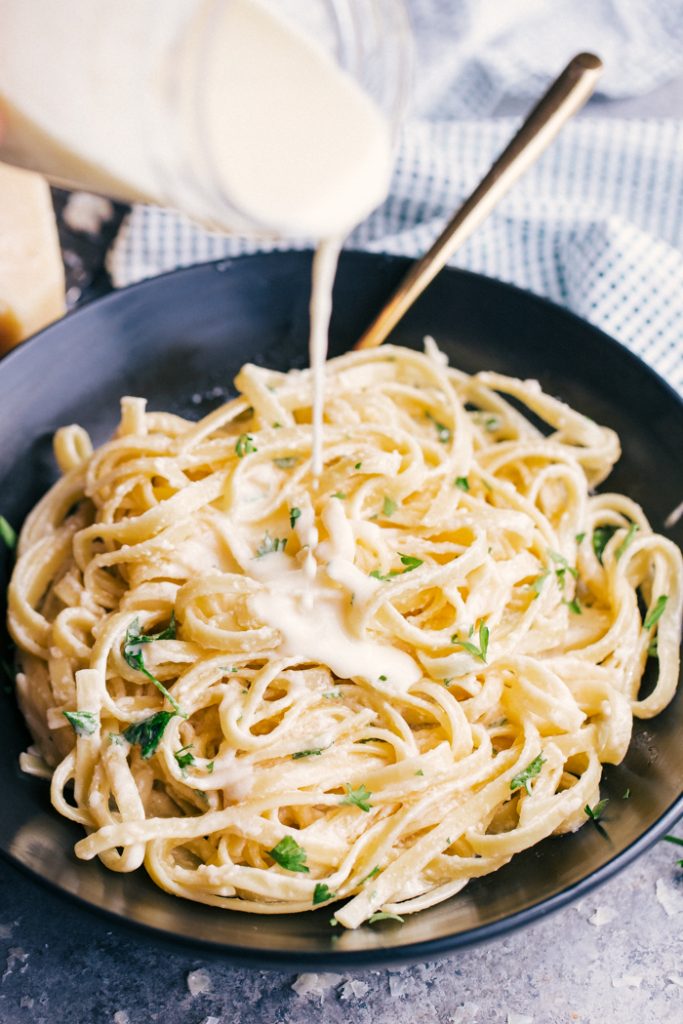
x: 31, y: 269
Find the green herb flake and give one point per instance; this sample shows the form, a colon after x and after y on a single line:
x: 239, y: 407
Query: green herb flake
x: 314, y: 752
x: 627, y: 793
x: 277, y: 426
x: 574, y: 607
x: 627, y: 541
x: 370, y: 874
x: 270, y: 544
x: 383, y: 915
x: 462, y: 482
x: 596, y: 813
x: 133, y: 655
x: 564, y: 567
x: 321, y: 894
x: 359, y: 797
x: 442, y: 431
x: 83, y: 723
x: 245, y: 445
x: 419, y: 772
x: 289, y: 855
x: 333, y: 695
x: 340, y: 495
x: 523, y: 779
x: 184, y: 757
x: 580, y: 537
x: 358, y: 465
x: 602, y: 535
x: 286, y: 461
x: 491, y: 423
x: 8, y: 534
x: 479, y: 652
x: 389, y: 506
x: 656, y: 612
x: 148, y: 732
x: 294, y: 514
x: 210, y: 767
x: 537, y: 584
x: 653, y: 648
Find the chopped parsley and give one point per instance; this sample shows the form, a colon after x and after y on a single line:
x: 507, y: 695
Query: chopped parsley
x: 653, y: 648
x: 83, y: 723
x: 389, y: 506
x: 537, y: 584
x: 383, y: 915
x: 601, y: 537
x: 462, y: 482
x: 245, y: 445
x: 133, y: 655
x: 419, y: 772
x: 442, y: 432
x: 409, y: 562
x: 184, y: 757
x: 565, y: 568
x: 289, y: 855
x: 574, y: 607
x: 340, y: 495
x: 321, y: 894
x: 678, y: 842
x: 8, y: 534
x: 210, y: 767
x: 479, y: 652
x: 333, y: 695
x: 286, y: 461
x: 270, y: 544
x: 294, y: 514
x: 382, y: 679
x: 656, y: 612
x: 148, y: 732
x: 359, y: 797
x: 358, y: 465
x: 580, y: 537
x: 627, y: 793
x: 627, y: 541
x: 595, y: 813
x: 370, y: 874
x: 314, y: 752
x: 523, y: 779
x: 134, y: 637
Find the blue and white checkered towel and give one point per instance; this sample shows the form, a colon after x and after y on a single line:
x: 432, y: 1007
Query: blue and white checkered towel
x: 596, y: 225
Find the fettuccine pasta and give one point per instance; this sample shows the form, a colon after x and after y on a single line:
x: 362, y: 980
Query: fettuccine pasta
x: 365, y: 690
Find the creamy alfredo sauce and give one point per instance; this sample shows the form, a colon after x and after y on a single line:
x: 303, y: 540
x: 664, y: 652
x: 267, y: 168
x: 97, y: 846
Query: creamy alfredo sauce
x: 265, y: 97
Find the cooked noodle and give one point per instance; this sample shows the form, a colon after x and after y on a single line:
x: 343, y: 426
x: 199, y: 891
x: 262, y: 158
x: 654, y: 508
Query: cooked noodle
x: 380, y: 686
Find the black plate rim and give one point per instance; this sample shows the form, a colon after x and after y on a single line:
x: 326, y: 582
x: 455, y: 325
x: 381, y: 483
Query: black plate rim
x: 224, y: 263
x: 433, y: 948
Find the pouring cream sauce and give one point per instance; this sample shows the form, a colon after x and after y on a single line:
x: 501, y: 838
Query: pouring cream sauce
x: 265, y: 133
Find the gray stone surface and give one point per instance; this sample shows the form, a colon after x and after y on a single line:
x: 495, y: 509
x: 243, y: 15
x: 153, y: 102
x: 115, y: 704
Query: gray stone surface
x: 616, y: 957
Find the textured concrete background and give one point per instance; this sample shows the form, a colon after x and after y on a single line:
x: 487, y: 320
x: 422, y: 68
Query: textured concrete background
x: 615, y: 957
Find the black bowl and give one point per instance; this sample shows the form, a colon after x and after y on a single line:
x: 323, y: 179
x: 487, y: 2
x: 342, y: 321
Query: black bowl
x: 179, y: 340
